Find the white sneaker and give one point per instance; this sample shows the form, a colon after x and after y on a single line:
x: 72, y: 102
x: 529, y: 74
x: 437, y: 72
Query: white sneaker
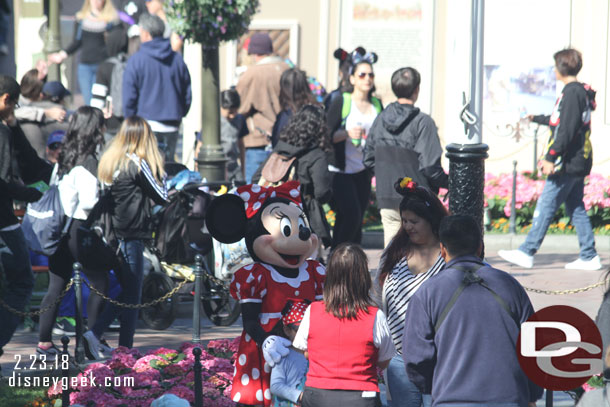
x: 92, y: 346
x: 594, y: 264
x: 517, y: 257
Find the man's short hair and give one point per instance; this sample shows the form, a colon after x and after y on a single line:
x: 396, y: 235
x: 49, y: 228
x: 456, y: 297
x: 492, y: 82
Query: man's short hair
x: 9, y: 85
x: 152, y: 24
x: 405, y: 82
x: 568, y: 62
x: 460, y: 234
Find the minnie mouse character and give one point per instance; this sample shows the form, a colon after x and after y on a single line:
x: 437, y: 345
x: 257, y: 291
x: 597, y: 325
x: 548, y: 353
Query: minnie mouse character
x: 279, y: 240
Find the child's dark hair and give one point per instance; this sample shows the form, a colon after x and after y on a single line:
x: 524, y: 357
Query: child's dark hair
x: 229, y: 99
x: 8, y: 85
x: 422, y: 202
x: 307, y: 128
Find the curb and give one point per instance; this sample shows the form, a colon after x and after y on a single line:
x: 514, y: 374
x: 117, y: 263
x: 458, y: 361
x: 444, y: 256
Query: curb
x: 495, y: 242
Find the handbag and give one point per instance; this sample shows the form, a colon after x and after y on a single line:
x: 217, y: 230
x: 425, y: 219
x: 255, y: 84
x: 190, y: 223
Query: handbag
x: 277, y: 170
x: 98, y: 246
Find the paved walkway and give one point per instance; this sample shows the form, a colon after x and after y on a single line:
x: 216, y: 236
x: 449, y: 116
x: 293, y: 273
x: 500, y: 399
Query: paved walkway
x: 548, y: 274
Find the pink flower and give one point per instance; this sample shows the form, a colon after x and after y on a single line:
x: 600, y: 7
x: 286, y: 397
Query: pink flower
x: 183, y: 392
x: 143, y: 364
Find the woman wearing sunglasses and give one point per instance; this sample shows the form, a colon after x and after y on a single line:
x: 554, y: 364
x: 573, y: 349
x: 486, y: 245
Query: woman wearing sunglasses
x: 349, y: 119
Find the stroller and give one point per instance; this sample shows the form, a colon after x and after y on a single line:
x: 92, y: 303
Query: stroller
x: 170, y: 257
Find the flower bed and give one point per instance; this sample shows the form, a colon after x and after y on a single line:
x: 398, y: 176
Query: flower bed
x: 160, y: 371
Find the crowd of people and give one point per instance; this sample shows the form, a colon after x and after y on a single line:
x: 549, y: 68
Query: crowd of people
x: 347, y: 324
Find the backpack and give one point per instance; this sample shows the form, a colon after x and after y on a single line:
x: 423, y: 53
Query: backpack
x: 116, y: 83
x: 44, y: 223
x: 347, y: 106
x: 277, y: 170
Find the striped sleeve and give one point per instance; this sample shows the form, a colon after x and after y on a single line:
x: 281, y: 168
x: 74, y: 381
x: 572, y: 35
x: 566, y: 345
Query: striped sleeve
x: 159, y: 190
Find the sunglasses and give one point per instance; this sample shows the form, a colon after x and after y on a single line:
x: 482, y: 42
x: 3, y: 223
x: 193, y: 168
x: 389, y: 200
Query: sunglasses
x: 54, y: 146
x: 363, y: 75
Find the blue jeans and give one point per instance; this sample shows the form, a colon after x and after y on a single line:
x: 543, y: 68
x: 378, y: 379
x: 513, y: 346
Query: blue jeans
x: 130, y: 277
x: 404, y: 393
x: 167, y: 144
x: 86, y: 78
x: 18, y: 280
x: 560, y: 188
x: 254, y: 158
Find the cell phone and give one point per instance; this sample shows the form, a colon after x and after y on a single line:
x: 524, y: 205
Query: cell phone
x: 108, y: 104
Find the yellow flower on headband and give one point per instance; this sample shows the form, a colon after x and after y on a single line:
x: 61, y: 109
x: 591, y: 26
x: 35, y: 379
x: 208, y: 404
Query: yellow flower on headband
x: 407, y: 182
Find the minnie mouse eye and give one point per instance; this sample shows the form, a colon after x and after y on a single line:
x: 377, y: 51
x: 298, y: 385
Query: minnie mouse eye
x: 286, y: 226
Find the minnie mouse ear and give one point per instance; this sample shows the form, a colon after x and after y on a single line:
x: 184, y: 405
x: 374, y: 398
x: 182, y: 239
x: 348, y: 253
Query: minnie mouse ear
x: 359, y: 50
x: 226, y: 218
x: 373, y: 57
x: 340, y: 54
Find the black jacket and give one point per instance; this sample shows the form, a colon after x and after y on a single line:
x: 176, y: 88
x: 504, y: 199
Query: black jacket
x: 403, y: 142
x: 569, y: 145
x: 132, y: 192
x: 18, y: 162
x: 316, y: 183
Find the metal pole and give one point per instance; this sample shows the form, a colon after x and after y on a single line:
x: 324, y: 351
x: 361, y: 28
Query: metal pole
x: 535, y: 171
x: 211, y: 160
x: 197, y: 370
x: 79, y: 354
x: 65, y: 372
x: 52, y: 42
x: 197, y: 299
x: 549, y: 398
x: 467, y: 161
x: 512, y: 228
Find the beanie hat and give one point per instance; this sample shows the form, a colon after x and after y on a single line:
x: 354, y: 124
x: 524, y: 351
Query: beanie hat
x: 260, y: 44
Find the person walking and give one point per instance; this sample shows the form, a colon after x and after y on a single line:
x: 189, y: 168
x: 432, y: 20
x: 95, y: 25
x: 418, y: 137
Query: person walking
x: 92, y: 22
x: 157, y: 85
x: 14, y: 255
x: 349, y: 119
x: 259, y: 90
x: 132, y: 167
x: 462, y: 327
x: 410, y: 260
x: 568, y: 160
x: 78, y: 191
x: 346, y: 338
x: 404, y: 141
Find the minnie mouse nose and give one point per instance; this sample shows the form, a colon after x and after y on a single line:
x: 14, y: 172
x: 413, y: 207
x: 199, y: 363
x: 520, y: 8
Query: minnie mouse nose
x: 304, y: 233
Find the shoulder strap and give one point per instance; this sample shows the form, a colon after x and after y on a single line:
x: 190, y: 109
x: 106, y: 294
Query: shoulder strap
x: 470, y: 277
x: 377, y: 104
x: 346, y: 107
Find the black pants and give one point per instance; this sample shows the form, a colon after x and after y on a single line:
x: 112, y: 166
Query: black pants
x: 60, y: 272
x: 351, y: 194
x: 313, y: 397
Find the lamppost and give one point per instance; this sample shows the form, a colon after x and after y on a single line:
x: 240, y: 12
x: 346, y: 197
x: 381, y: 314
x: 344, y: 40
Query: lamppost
x: 52, y: 40
x: 467, y: 159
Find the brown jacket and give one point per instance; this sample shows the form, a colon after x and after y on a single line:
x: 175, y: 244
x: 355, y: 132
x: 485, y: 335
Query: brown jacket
x: 259, y: 90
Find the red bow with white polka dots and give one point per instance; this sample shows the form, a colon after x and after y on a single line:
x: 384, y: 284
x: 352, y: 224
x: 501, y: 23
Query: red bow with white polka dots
x: 296, y: 312
x: 255, y: 195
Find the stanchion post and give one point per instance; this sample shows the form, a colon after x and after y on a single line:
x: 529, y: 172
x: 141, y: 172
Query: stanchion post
x: 549, y: 398
x: 65, y: 372
x: 512, y: 225
x: 197, y: 371
x: 197, y: 299
x: 79, y: 354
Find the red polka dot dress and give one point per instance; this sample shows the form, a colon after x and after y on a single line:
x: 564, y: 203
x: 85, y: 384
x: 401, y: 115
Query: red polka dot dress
x: 261, y: 283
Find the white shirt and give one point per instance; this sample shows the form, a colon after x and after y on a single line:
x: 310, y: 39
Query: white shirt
x: 78, y: 192
x: 381, y: 336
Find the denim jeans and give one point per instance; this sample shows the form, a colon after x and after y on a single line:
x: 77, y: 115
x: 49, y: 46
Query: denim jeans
x: 130, y: 277
x: 254, y: 158
x: 18, y: 279
x: 167, y: 144
x: 404, y: 393
x: 560, y: 188
x: 86, y: 78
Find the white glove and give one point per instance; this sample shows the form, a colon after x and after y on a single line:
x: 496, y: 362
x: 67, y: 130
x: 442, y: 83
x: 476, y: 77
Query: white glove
x: 275, y: 348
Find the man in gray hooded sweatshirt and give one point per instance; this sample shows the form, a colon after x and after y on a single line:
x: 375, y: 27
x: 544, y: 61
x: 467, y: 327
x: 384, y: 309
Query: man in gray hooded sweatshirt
x: 404, y: 143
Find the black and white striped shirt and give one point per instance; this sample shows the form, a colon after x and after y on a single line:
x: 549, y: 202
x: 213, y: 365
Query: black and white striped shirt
x: 399, y: 287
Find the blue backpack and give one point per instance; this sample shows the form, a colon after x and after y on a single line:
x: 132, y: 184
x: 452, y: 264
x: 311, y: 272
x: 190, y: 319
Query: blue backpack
x: 44, y: 223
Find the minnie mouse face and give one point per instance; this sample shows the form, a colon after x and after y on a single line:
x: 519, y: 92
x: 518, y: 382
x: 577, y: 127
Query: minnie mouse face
x: 289, y: 241
x: 272, y: 221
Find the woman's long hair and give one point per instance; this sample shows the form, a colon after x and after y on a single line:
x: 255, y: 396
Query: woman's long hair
x: 84, y: 135
x: 348, y: 282
x: 108, y: 13
x: 294, y: 90
x: 307, y: 128
x: 134, y: 137
x: 422, y: 202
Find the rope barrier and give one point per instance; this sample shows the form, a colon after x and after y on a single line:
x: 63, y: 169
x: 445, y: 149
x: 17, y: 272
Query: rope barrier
x: 563, y: 292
